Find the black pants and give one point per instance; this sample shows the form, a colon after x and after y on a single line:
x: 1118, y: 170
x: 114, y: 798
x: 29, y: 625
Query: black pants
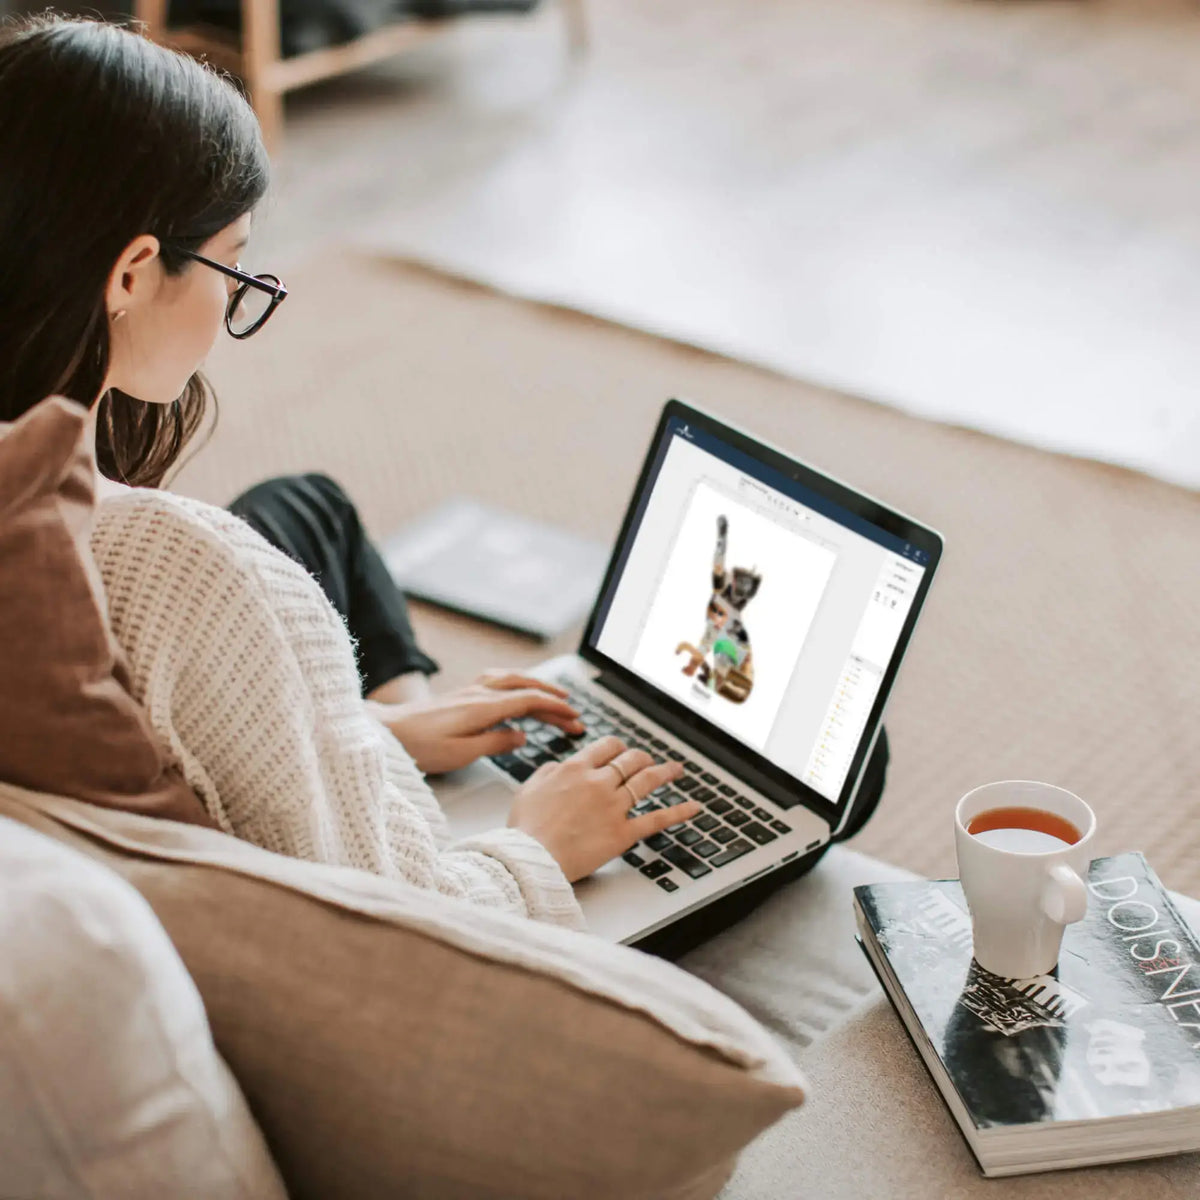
x: 315, y: 523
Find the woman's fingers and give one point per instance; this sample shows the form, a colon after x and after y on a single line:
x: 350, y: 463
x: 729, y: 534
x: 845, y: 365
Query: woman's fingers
x: 527, y: 702
x: 492, y: 741
x: 629, y: 763
x: 601, y: 751
x: 649, y: 778
x: 648, y: 824
x: 507, y: 680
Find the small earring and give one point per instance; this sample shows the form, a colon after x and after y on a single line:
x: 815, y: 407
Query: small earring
x: 118, y: 315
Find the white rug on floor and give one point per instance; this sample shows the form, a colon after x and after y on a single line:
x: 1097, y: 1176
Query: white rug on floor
x: 985, y: 214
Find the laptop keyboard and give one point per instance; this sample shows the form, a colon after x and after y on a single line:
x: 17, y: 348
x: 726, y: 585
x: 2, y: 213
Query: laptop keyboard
x: 730, y: 825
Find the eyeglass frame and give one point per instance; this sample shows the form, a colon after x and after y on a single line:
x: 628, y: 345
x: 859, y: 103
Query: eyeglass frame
x: 277, y: 291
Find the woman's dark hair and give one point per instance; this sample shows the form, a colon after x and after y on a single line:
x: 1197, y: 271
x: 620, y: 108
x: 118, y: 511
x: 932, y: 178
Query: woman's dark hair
x: 104, y: 136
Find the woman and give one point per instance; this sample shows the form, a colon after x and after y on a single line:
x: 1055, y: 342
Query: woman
x: 129, y: 178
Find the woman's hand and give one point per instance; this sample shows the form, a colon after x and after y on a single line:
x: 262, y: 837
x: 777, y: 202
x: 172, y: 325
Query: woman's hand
x: 443, y: 733
x: 578, y: 808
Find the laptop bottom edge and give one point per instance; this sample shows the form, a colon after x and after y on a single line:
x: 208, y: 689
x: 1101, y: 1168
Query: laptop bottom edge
x: 702, y: 924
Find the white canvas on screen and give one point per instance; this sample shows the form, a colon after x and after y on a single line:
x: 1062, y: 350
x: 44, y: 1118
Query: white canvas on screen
x: 795, y: 571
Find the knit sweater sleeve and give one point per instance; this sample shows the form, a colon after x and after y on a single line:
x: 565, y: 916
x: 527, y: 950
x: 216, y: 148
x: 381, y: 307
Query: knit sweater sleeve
x: 248, y: 673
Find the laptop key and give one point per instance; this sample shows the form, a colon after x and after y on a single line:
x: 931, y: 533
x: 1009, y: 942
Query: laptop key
x: 723, y: 835
x: 733, y: 850
x: 561, y: 745
x: 685, y: 783
x: 668, y: 885
x: 518, y: 768
x: 757, y: 833
x: 708, y: 778
x: 726, y: 790
x: 763, y: 815
x: 674, y: 754
x: 780, y: 827
x: 658, y: 841
x: 719, y: 806
x: 687, y: 837
x: 743, y: 801
x: 704, y: 795
x: 658, y: 743
x: 705, y: 822
x: 705, y: 849
x: 633, y: 858
x: 685, y: 860
x: 655, y: 868
x: 736, y: 818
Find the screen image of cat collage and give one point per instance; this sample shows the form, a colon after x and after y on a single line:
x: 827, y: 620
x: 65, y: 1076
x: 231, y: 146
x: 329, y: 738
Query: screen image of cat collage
x: 731, y: 611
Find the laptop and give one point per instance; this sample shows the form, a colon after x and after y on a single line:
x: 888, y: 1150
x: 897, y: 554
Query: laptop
x: 750, y: 625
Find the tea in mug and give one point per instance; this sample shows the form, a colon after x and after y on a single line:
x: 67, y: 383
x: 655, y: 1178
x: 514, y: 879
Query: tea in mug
x: 1023, y: 830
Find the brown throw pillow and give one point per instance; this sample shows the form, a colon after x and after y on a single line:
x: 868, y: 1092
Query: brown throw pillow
x: 392, y: 1042
x: 70, y: 725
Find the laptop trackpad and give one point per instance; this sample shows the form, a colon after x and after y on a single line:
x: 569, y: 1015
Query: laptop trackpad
x: 475, y: 799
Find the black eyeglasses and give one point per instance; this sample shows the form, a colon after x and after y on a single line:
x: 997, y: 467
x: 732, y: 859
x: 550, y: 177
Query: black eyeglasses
x: 256, y: 297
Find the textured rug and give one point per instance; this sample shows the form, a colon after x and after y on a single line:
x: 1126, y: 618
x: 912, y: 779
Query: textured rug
x: 986, y: 213
x: 1060, y: 640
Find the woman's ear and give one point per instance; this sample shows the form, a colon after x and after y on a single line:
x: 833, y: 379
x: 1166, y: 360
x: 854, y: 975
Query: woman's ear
x: 135, y: 277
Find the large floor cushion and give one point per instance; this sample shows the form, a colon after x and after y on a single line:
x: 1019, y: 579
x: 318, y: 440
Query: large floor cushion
x: 110, y: 1086
x: 396, y: 1043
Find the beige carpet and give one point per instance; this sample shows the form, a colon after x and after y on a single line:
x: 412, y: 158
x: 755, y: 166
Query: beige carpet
x: 1060, y: 640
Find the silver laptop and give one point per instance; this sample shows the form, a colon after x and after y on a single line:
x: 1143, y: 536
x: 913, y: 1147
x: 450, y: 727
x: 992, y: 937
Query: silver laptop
x: 750, y: 625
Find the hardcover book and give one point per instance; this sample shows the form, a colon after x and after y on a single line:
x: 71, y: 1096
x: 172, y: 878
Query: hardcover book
x: 1097, y: 1062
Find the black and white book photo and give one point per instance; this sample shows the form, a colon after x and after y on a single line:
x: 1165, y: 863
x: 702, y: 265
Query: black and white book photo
x: 1097, y: 1061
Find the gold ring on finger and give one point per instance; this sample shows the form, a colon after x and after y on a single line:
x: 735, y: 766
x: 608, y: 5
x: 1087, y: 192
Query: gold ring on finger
x: 617, y: 767
x: 632, y: 796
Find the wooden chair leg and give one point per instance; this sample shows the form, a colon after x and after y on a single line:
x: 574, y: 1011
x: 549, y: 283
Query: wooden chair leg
x: 268, y: 107
x: 260, y: 53
x: 579, y: 36
x: 153, y: 16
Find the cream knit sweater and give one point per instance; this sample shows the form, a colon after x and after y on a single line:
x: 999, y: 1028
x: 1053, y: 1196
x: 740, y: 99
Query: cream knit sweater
x: 248, y: 674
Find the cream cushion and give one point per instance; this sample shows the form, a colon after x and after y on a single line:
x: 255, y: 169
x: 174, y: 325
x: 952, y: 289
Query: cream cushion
x: 394, y: 1042
x: 110, y: 1086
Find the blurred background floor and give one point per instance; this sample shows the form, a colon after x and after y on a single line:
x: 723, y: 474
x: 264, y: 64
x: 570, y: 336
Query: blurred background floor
x: 983, y: 212
x: 1059, y: 641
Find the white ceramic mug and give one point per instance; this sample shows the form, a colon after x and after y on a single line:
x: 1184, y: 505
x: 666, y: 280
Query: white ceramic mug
x: 1021, y: 900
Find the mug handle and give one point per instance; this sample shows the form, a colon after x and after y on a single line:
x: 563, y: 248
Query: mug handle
x: 1064, y: 898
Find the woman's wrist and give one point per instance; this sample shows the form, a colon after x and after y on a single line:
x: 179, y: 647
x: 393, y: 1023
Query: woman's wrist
x: 403, y: 689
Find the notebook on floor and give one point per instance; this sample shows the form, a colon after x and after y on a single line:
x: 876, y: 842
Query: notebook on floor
x: 750, y: 624
x: 472, y: 558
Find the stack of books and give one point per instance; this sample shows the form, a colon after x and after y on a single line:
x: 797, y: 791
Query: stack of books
x: 1097, y: 1062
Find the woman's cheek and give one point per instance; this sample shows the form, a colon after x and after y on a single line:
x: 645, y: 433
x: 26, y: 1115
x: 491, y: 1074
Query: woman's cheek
x: 213, y: 323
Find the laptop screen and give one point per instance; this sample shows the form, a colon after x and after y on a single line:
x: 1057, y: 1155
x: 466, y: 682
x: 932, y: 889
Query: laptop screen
x: 758, y: 603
